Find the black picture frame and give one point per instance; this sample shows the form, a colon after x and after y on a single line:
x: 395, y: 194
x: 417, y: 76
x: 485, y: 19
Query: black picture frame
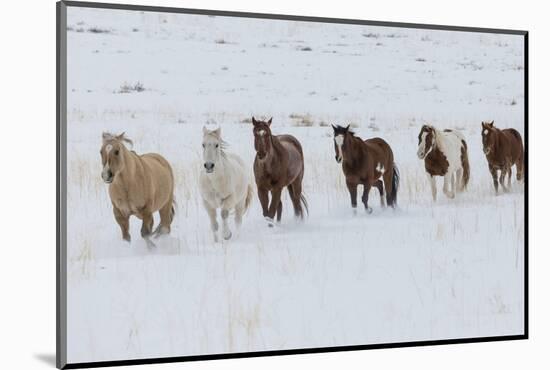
x: 61, y: 193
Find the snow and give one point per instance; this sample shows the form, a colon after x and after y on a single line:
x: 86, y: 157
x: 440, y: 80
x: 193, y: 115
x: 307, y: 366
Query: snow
x: 450, y: 269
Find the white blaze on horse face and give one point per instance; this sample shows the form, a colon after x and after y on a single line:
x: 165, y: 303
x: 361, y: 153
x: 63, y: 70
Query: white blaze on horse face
x: 261, y: 132
x: 108, y: 148
x: 485, y: 132
x: 339, y: 140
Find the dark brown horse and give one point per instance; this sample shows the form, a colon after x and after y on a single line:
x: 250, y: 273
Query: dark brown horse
x: 503, y: 149
x: 279, y: 162
x: 369, y: 163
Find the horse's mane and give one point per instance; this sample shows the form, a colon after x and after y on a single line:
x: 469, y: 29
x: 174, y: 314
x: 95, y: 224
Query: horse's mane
x: 108, y: 137
x: 223, y: 144
x: 342, y: 129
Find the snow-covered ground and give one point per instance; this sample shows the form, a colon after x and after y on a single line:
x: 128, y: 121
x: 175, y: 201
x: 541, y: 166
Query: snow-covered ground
x: 425, y: 271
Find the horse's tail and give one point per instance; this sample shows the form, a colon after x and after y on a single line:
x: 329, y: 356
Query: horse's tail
x: 249, y: 197
x: 465, y: 165
x: 304, y: 202
x: 392, y: 196
x: 173, y: 209
x: 520, y: 165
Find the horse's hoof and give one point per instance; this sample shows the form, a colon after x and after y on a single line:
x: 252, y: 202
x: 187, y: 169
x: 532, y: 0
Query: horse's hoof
x: 354, y: 211
x: 228, y: 236
x: 127, y: 238
x: 369, y: 210
x: 269, y: 221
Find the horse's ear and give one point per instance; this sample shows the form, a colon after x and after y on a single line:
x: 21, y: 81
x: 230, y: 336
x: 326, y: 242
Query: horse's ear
x: 254, y: 122
x: 482, y: 124
x: 333, y: 127
x: 492, y: 123
x: 217, y: 132
x: 347, y: 127
x: 269, y: 122
x: 106, y: 136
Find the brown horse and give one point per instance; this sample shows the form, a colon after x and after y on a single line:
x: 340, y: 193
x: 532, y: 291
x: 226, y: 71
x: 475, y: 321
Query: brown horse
x: 369, y: 163
x: 503, y: 149
x: 279, y: 162
x: 139, y: 185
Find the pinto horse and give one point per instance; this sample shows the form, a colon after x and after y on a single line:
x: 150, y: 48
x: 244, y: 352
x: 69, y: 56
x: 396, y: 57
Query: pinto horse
x: 445, y: 153
x: 279, y: 162
x: 370, y: 163
x: 503, y: 149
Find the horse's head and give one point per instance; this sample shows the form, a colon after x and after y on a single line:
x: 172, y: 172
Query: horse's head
x: 212, y: 145
x: 488, y: 136
x: 262, y: 137
x: 426, y: 141
x: 340, y: 141
x: 112, y: 155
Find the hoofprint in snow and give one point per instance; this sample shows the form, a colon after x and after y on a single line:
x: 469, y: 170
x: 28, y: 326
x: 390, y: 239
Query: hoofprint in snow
x: 450, y: 269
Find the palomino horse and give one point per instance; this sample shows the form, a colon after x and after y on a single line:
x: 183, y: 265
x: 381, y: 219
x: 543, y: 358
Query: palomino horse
x: 369, y: 163
x: 224, y: 183
x: 279, y: 162
x: 139, y: 185
x: 445, y: 153
x: 503, y: 149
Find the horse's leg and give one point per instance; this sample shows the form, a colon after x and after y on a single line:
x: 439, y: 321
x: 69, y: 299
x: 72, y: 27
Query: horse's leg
x: 147, y: 227
x: 295, y: 191
x: 279, y: 211
x: 124, y: 223
x: 510, y: 176
x: 365, y: 198
x: 213, y: 222
x: 147, y: 224
x: 502, y: 178
x: 454, y: 177
x: 165, y: 218
x: 388, y: 187
x: 448, y: 185
x: 275, y: 200
x: 263, y: 195
x: 352, y: 188
x: 226, y: 233
x: 459, y: 182
x: 380, y: 186
x: 494, y: 174
x: 433, y: 186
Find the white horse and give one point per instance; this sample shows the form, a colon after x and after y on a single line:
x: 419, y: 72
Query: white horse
x: 445, y: 153
x: 225, y: 183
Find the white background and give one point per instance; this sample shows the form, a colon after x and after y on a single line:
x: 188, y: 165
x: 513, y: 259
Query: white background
x: 27, y: 320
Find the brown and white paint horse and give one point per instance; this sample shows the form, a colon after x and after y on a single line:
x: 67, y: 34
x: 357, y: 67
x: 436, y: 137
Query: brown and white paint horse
x: 445, y: 153
x: 503, y: 149
x: 369, y: 163
x: 279, y: 162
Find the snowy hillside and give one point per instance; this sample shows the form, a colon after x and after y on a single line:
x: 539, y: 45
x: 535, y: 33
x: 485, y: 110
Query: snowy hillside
x: 425, y: 271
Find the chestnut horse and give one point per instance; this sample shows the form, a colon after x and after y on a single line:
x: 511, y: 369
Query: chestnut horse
x: 503, y: 149
x: 368, y: 162
x: 279, y: 162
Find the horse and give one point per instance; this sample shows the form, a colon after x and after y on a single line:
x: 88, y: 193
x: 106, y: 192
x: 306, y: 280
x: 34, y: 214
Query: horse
x: 445, y: 153
x: 369, y: 163
x: 139, y: 185
x: 224, y: 183
x: 503, y: 149
x: 279, y: 162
